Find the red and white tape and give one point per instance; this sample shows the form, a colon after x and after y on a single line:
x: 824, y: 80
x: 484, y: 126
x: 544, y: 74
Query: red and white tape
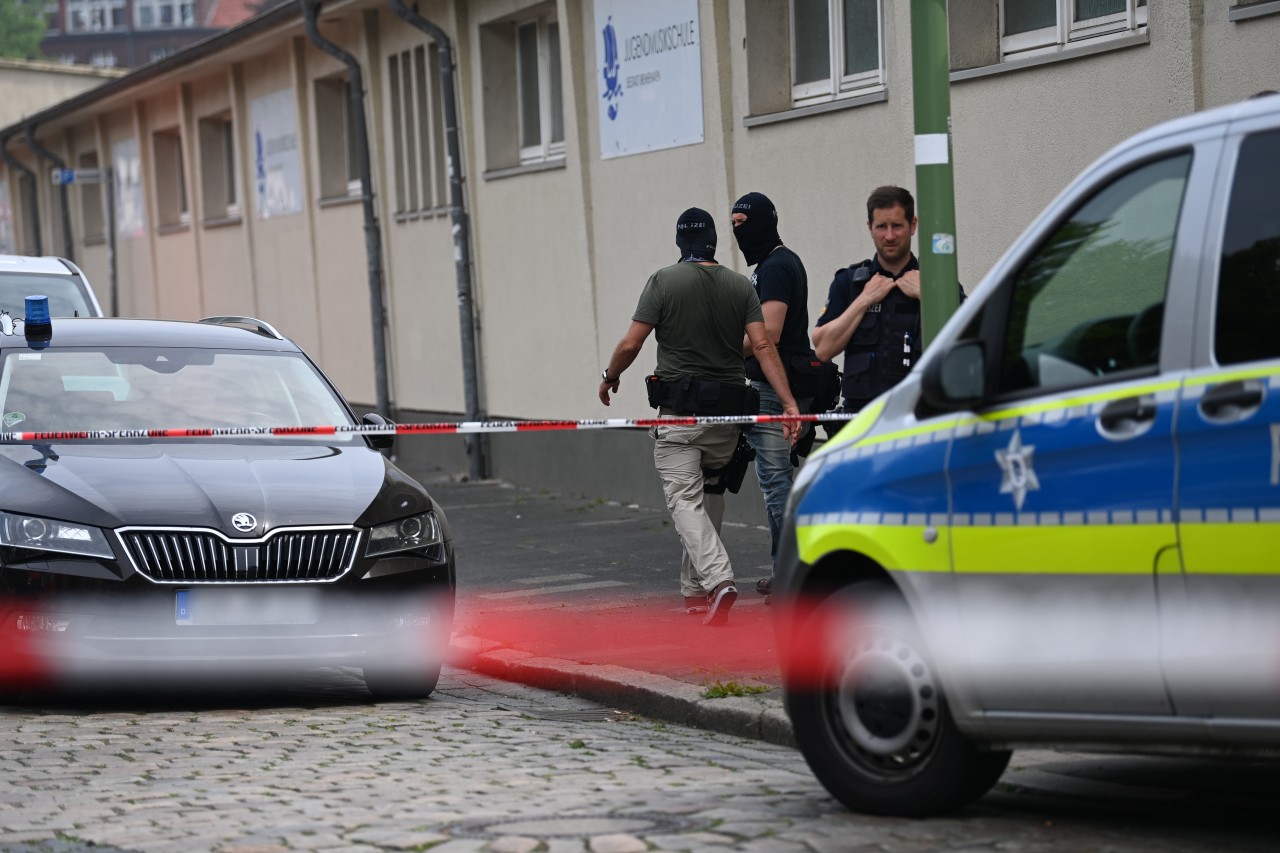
x: 440, y: 428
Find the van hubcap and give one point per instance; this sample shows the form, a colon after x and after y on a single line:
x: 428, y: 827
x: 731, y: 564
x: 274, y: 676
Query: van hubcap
x: 887, y: 700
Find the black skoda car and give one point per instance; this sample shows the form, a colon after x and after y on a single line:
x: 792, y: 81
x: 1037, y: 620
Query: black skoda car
x: 126, y: 556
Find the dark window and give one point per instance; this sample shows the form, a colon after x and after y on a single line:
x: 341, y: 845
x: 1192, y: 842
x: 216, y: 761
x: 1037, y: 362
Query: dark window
x: 1248, y: 316
x: 1090, y: 302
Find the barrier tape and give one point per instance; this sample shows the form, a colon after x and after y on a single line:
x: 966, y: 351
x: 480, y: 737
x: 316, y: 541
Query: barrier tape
x: 439, y: 428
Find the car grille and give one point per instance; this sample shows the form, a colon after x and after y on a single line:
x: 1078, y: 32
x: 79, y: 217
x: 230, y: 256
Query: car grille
x: 197, y: 556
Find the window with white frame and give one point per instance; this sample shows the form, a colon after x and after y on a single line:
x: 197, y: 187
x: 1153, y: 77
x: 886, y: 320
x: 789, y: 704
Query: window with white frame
x: 539, y: 96
x: 417, y: 128
x: 77, y: 16
x: 336, y: 139
x: 95, y: 15
x: 835, y: 49
x: 149, y: 14
x: 1032, y: 27
x: 103, y: 59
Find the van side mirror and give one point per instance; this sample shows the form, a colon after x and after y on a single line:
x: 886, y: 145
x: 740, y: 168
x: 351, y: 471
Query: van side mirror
x: 957, y: 380
x: 379, y: 442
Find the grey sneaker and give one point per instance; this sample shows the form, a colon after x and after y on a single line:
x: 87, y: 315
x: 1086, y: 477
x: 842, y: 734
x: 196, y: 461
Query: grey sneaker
x: 719, y: 602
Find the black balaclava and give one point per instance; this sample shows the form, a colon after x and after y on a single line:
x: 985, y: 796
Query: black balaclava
x: 758, y: 236
x: 696, y: 235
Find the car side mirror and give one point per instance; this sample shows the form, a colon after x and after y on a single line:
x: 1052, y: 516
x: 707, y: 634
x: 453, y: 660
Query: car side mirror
x: 957, y: 380
x: 379, y: 442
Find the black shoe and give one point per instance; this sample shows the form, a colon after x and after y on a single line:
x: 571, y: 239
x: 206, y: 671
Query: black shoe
x: 764, y: 586
x: 695, y: 605
x: 719, y: 601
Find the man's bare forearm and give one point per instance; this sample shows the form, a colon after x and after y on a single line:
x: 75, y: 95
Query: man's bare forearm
x: 771, y: 365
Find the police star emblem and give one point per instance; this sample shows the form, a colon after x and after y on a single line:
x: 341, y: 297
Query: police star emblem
x: 1015, y: 463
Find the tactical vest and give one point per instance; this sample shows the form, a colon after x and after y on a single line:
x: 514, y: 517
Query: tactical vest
x: 884, y: 347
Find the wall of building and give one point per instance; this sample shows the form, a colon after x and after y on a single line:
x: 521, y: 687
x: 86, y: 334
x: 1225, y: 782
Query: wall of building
x: 561, y: 249
x: 28, y: 87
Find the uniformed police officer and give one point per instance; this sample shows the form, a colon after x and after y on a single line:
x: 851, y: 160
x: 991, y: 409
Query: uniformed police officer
x: 872, y: 312
x: 700, y: 311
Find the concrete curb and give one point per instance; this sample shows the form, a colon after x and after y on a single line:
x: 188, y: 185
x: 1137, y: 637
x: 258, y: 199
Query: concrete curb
x: 759, y: 717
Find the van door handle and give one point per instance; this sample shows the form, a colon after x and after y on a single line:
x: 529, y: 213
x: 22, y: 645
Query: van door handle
x: 1230, y: 401
x: 1127, y: 417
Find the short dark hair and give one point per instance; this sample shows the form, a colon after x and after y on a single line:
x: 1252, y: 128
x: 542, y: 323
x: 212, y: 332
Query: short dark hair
x: 883, y: 198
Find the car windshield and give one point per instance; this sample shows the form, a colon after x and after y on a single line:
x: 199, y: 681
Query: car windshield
x: 65, y: 297
x: 157, y: 388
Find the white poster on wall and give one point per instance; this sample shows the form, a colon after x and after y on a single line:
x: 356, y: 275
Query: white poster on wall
x: 6, y: 220
x: 649, y: 75
x: 131, y: 211
x: 277, y: 168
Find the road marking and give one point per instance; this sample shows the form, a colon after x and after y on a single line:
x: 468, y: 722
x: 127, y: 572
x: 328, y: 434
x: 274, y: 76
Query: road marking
x: 552, y: 578
x: 549, y: 590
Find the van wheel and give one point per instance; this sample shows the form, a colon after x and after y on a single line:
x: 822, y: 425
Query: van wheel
x: 875, y: 727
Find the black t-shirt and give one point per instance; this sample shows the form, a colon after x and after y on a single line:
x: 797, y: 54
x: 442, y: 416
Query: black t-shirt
x: 781, y: 277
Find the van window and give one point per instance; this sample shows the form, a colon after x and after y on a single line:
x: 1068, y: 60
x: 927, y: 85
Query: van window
x: 1247, y: 327
x: 1091, y: 301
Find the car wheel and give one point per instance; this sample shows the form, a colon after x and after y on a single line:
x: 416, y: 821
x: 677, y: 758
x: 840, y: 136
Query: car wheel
x: 394, y: 683
x: 408, y: 665
x: 874, y: 726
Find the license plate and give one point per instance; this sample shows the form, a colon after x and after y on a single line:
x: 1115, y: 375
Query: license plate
x: 246, y: 606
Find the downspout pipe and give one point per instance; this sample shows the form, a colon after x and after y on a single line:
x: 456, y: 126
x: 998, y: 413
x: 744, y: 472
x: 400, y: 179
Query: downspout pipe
x: 461, y: 236
x: 372, y: 231
x: 68, y: 247
x: 32, y: 191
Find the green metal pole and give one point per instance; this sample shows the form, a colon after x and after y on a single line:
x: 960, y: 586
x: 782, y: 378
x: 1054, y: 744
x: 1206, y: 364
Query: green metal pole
x: 935, y: 187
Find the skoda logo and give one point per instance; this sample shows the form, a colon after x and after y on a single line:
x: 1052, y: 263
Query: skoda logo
x: 244, y: 522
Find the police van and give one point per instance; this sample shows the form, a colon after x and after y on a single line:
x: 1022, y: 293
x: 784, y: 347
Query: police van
x: 1063, y: 527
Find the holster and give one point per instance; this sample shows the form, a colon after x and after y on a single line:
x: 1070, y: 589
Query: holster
x: 729, y: 476
x: 806, y: 373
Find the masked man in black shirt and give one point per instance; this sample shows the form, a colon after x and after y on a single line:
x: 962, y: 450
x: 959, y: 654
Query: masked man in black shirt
x: 783, y: 287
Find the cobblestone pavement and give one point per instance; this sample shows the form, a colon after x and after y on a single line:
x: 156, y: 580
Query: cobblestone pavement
x: 313, y: 764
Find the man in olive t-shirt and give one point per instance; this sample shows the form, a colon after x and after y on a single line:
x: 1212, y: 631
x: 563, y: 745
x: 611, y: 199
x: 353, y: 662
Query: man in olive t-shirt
x: 700, y: 311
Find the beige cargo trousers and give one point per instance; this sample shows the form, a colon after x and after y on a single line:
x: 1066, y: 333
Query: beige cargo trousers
x: 680, y: 453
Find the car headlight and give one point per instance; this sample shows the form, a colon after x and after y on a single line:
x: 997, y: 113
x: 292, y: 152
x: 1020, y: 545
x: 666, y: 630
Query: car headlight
x: 47, y: 534
x: 407, y: 534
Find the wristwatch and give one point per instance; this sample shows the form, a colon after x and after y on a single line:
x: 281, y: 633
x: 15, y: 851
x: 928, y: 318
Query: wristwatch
x: 604, y: 375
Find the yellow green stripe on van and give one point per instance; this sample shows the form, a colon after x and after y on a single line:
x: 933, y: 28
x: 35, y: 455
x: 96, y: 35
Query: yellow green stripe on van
x: 1229, y: 548
x: 892, y: 547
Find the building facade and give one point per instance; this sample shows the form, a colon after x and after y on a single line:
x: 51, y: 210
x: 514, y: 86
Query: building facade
x: 129, y: 33
x: 28, y: 87
x: 586, y: 126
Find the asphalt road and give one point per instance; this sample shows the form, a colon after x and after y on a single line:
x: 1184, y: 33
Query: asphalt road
x: 312, y: 764
x: 548, y: 548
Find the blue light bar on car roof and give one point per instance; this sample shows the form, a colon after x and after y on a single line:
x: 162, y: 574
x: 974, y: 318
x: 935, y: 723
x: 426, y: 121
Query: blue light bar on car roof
x: 37, y: 326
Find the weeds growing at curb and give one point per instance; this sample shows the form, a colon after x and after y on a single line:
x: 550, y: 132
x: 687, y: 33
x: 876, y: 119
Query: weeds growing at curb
x: 721, y: 689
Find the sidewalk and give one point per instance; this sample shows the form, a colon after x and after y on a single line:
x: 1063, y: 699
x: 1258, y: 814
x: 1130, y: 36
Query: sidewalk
x: 581, y: 596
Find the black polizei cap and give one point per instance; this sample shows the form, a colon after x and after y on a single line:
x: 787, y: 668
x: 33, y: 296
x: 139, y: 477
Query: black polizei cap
x: 696, y: 235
